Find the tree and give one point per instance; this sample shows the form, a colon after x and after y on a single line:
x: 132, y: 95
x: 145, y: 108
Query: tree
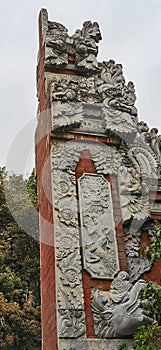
x: 19, y: 263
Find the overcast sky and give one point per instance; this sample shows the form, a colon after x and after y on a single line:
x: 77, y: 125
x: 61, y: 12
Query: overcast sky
x: 131, y: 32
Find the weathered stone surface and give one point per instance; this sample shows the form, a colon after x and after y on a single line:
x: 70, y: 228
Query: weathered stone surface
x: 119, y: 314
x: 100, y: 255
x: 81, y: 46
x: 94, y: 344
x: 152, y: 138
x: 112, y: 94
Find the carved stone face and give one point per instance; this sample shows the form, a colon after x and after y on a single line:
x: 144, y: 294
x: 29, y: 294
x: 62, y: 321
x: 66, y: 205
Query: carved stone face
x: 132, y: 316
x: 121, y: 314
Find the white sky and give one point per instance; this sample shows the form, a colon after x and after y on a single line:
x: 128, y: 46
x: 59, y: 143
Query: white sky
x: 131, y: 31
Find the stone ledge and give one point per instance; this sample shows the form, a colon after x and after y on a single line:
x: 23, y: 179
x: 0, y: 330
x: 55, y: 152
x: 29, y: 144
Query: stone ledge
x: 94, y: 344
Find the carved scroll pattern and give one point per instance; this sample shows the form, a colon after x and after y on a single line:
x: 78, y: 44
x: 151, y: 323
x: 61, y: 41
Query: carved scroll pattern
x: 100, y: 91
x: 65, y: 156
x: 71, y: 317
x: 99, y: 245
x: 136, y: 264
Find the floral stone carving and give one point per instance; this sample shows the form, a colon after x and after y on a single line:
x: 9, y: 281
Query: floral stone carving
x: 99, y: 245
x: 119, y: 314
x: 67, y: 116
x: 105, y: 89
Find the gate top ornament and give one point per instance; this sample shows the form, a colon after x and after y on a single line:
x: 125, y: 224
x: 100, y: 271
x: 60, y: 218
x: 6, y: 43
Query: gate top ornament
x: 99, y: 82
x: 81, y: 48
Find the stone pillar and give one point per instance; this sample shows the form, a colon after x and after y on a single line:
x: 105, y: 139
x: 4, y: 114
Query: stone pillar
x: 95, y: 171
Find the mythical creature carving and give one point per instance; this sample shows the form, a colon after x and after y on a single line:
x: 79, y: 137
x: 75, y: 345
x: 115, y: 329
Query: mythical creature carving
x: 60, y: 47
x: 56, y: 48
x: 75, y: 89
x: 85, y: 46
x: 107, y: 89
x: 79, y: 52
x: 112, y: 88
x: 119, y: 314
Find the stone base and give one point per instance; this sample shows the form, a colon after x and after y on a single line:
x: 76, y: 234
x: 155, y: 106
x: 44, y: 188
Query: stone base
x: 94, y: 344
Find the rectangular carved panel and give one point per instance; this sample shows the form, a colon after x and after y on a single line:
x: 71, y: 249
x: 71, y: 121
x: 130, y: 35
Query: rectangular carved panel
x: 99, y: 246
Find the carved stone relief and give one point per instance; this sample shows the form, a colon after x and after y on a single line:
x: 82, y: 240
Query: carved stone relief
x: 99, y: 245
x: 85, y: 46
x: 65, y: 156
x: 71, y: 323
x: 112, y: 88
x: 107, y: 93
x: 107, y: 160
x: 134, y: 202
x: 152, y: 138
x: 70, y: 303
x: 118, y: 122
x: 71, y: 316
x: 55, y: 45
x: 156, y: 208
x: 143, y: 160
x: 81, y: 46
x: 118, y: 313
x: 94, y: 344
x: 136, y: 264
x: 67, y: 116
x: 134, y: 194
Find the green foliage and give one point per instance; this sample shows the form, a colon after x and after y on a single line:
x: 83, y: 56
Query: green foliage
x: 12, y: 286
x: 153, y: 251
x: 148, y: 338
x: 19, y: 264
x: 123, y: 346
x: 150, y: 298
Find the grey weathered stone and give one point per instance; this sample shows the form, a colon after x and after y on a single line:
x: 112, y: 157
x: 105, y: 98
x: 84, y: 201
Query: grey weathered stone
x: 99, y: 246
x: 119, y: 314
x: 94, y: 344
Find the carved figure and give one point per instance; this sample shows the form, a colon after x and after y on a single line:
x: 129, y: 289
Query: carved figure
x: 119, y: 314
x: 55, y: 52
x: 155, y: 142
x: 152, y: 138
x: 115, y: 93
x: 85, y: 46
